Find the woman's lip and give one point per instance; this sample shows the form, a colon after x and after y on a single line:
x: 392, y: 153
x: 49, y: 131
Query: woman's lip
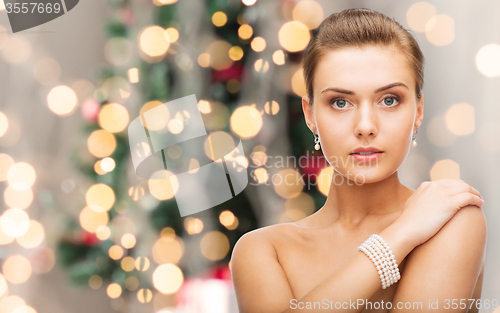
x: 366, y: 157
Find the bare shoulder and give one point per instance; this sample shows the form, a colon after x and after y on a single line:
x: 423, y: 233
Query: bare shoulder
x: 263, y: 237
x: 449, y: 265
x: 257, y: 274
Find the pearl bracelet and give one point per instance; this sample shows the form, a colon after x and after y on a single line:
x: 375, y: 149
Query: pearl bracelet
x: 381, y: 255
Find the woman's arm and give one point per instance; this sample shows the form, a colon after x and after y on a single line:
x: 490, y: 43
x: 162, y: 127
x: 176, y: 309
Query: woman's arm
x: 445, y: 269
x: 261, y: 284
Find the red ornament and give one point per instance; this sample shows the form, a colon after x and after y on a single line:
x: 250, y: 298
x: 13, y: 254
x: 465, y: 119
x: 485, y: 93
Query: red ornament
x: 221, y: 272
x: 233, y: 72
x: 90, y: 239
x: 311, y: 165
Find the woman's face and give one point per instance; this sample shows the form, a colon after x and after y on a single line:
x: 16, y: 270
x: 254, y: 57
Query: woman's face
x: 364, y: 97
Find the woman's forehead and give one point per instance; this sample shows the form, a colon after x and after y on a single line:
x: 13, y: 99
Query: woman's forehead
x: 360, y: 68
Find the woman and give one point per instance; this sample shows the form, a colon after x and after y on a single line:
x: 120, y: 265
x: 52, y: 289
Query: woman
x: 364, y: 74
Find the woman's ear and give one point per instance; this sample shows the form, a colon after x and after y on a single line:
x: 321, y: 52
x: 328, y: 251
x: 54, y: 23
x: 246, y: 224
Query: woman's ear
x: 420, y: 111
x: 308, y: 113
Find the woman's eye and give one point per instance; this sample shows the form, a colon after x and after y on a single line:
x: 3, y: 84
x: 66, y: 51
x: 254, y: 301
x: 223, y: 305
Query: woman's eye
x: 390, y: 101
x: 340, y: 103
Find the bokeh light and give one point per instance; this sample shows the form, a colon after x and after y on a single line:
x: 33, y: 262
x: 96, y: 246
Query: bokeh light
x: 103, y: 232
x: 101, y: 143
x: 168, y: 250
x: 4, y: 288
x: 128, y: 264
x: 488, y: 60
x: 98, y: 168
x: 128, y: 241
x: 204, y: 106
x: 324, y: 180
x: 294, y: 36
x: 258, y: 44
x: 248, y: 2
x: 14, y: 222
x: 219, y: 54
x: 100, y: 197
x: 204, y: 59
x: 236, y: 53
x: 142, y: 264
x: 227, y: 218
x: 214, y: 245
x: 115, y: 252
x: 298, y: 83
x: 167, y: 278
x: 6, y: 161
x: 460, y: 119
x: 219, y: 18
x: 17, y: 49
x: 33, y: 237
x: 419, y: 14
x: 13, y: 303
x: 279, y: 57
x: 245, y: 31
x: 92, y: 220
x: 114, y: 290
x: 246, y: 122
x: 16, y: 269
x: 108, y: 164
x: 172, y: 33
x: 4, y: 238
x: 113, y: 117
x: 259, y: 158
x: 445, y: 169
x: 261, y: 175
x: 62, y: 100
x: 271, y: 107
x: 20, y: 199
x: 144, y: 295
x: 152, y: 41
x: 193, y: 225
x: 261, y: 66
x: 163, y: 188
x: 95, y: 282
x: 4, y: 124
x: 440, y: 30
x: 133, y: 75
x: 309, y: 12
x: 288, y: 183
x: 21, y: 176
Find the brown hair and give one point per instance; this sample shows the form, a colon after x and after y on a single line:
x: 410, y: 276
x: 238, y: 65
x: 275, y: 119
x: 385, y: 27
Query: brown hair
x: 359, y: 28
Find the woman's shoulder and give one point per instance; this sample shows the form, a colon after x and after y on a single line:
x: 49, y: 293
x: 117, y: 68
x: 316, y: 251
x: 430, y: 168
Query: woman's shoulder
x: 270, y: 233
x: 271, y: 238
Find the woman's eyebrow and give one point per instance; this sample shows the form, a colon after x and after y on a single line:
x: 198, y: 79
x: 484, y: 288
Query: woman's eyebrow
x: 348, y: 92
x: 390, y: 86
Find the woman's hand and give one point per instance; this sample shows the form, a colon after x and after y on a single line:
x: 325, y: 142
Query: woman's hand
x: 432, y: 205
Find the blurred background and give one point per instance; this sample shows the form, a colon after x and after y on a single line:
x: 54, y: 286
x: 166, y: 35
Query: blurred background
x: 81, y: 232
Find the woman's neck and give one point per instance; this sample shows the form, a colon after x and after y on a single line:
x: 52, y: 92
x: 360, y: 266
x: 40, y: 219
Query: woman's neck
x: 349, y: 204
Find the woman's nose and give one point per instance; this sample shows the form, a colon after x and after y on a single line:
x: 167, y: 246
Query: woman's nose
x: 365, y: 121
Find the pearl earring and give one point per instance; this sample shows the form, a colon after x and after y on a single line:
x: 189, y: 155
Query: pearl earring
x: 414, y: 139
x: 316, y: 141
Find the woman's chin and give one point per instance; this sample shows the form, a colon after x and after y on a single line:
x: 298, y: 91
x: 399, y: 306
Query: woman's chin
x: 360, y: 176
